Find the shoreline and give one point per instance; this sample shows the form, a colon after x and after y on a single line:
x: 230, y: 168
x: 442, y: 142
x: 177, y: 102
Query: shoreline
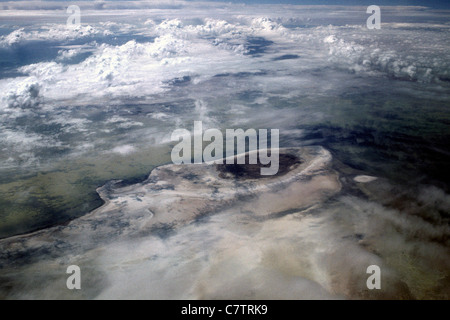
x: 106, y: 191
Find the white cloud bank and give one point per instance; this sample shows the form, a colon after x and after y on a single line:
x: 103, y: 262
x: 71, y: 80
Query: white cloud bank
x: 137, y: 69
x: 282, y: 46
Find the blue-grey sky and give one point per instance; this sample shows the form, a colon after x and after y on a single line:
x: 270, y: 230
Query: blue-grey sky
x: 427, y: 3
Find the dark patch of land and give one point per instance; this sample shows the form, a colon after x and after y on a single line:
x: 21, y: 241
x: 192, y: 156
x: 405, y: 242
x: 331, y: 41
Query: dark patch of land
x: 287, y: 162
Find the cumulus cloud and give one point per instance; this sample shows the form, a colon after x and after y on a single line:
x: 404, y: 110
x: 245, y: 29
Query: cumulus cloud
x: 53, y: 32
x: 264, y: 48
x: 214, y: 46
x: 24, y: 95
x: 64, y: 55
x: 400, y: 58
x: 132, y: 68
